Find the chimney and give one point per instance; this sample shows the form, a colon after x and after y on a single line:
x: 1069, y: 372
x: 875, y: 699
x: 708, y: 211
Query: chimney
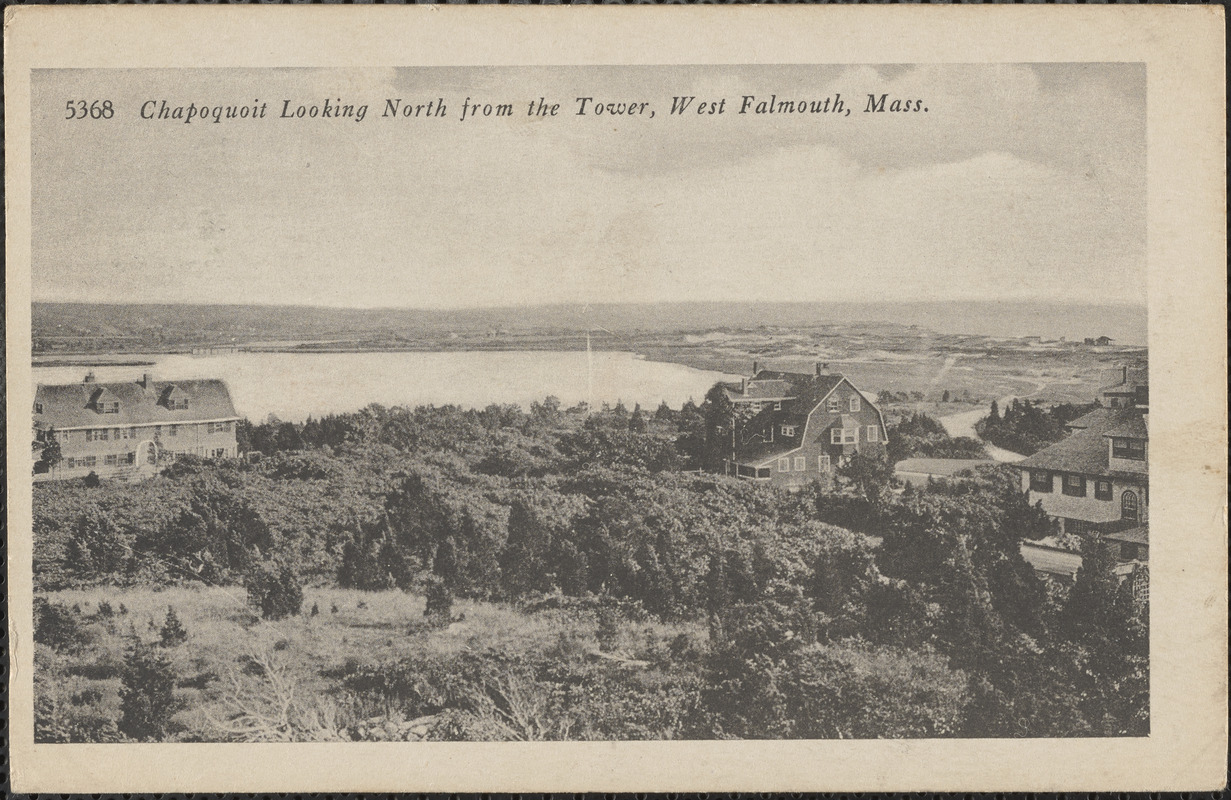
x: 743, y: 386
x: 1124, y: 374
x: 89, y: 377
x: 754, y: 369
x: 822, y: 369
x: 147, y: 380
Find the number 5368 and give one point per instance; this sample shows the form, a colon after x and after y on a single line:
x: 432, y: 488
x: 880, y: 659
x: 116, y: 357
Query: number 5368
x: 93, y: 109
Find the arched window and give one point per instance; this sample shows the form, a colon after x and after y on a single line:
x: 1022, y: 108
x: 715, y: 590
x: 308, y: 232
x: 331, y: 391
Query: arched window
x: 1128, y: 506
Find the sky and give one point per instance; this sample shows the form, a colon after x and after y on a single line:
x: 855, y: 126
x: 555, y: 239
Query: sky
x: 1019, y: 182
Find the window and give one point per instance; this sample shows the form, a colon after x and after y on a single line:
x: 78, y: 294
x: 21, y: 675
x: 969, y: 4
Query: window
x: 132, y: 433
x: 854, y: 403
x: 110, y: 460
x: 823, y: 463
x: 174, y: 430
x: 788, y: 430
x: 801, y: 463
x: 96, y: 435
x: 762, y: 472
x: 835, y: 405
x: 119, y: 433
x: 218, y: 453
x: 87, y: 461
x: 784, y: 465
x: 1075, y: 485
x: 1102, y: 490
x: 778, y: 406
x: 1128, y: 506
x: 874, y: 433
x: 1133, y: 449
x: 843, y: 435
x: 1040, y: 481
x: 38, y: 408
x: 130, y: 458
x: 109, y: 408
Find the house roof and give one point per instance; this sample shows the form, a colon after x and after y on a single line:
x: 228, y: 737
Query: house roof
x: 814, y: 393
x: 1083, y: 451
x: 1097, y: 419
x: 70, y: 405
x: 1128, y: 427
x: 1138, y: 535
x: 939, y: 466
x: 759, y: 390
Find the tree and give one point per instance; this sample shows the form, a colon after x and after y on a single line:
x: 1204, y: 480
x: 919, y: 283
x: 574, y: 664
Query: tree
x: 147, y: 694
x: 51, y: 455
x: 994, y: 417
x: 275, y: 590
x: 173, y: 631
x: 944, y: 398
x: 871, y: 475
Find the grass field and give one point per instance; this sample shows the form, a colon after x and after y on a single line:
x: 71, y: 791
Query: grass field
x: 350, y: 630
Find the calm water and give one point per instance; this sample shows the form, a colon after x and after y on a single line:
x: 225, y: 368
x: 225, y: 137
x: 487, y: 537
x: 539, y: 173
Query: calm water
x: 293, y: 386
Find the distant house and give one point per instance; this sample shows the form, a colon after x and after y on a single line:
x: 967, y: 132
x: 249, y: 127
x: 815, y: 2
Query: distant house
x: 802, y: 426
x: 1097, y: 479
x: 125, y: 429
x: 1102, y: 341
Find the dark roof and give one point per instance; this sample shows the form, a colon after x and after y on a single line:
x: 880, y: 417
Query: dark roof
x: 1083, y: 451
x: 1097, y: 419
x: 814, y: 393
x: 759, y: 390
x: 1138, y: 535
x: 70, y: 405
x: 1129, y: 427
x: 789, y: 377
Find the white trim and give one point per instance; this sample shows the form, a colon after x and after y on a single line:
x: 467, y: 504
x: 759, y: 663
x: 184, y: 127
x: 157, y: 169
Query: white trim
x: 145, y: 424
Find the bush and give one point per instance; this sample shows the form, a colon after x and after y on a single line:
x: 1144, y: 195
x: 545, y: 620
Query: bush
x: 439, y: 608
x: 147, y: 699
x: 173, y: 631
x: 92, y: 479
x: 275, y: 590
x: 105, y: 611
x: 55, y: 625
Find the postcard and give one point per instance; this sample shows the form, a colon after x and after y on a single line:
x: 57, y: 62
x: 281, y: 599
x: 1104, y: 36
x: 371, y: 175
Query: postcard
x: 656, y: 399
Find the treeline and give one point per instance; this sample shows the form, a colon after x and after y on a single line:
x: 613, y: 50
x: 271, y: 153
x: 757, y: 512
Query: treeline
x: 943, y: 630
x: 918, y: 435
x: 1027, y: 428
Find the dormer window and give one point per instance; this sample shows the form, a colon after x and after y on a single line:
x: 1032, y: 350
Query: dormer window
x: 109, y: 407
x: 1132, y: 449
x: 788, y: 430
x: 175, y: 399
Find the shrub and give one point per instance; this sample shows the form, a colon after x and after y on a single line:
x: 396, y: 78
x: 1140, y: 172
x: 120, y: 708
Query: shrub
x: 105, y: 611
x: 173, y: 631
x: 608, y: 629
x: 55, y: 625
x: 92, y: 479
x: 147, y: 698
x: 275, y: 590
x: 439, y: 607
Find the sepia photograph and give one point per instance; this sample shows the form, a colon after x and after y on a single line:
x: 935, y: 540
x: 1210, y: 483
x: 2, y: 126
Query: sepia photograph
x: 590, y: 403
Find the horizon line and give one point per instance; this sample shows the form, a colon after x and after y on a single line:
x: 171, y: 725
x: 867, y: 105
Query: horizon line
x: 605, y: 304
